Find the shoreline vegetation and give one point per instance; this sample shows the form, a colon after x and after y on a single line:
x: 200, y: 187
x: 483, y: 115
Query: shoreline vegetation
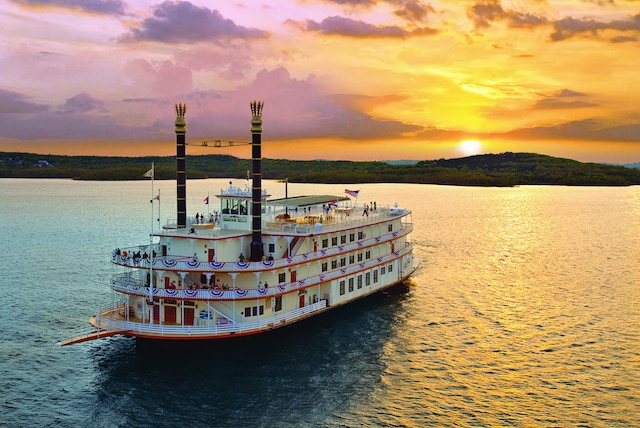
x: 498, y: 170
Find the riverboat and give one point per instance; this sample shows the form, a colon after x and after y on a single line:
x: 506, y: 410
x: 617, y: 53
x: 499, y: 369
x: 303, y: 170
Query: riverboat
x: 253, y: 264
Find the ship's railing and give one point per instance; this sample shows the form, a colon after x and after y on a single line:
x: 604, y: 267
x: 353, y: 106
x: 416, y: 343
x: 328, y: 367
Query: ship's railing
x: 301, y: 223
x: 188, y: 264
x: 126, y: 284
x: 108, y: 320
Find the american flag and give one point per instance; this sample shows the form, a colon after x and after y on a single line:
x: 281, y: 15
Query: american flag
x: 353, y: 193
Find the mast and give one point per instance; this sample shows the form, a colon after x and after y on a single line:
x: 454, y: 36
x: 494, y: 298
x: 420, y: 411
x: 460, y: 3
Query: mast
x: 181, y: 172
x: 257, y: 249
x: 153, y: 172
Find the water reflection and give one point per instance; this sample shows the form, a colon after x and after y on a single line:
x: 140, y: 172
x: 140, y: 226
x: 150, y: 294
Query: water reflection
x: 296, y: 375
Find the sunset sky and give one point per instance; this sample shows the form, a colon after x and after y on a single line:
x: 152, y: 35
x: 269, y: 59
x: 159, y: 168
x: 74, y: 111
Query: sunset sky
x: 340, y: 79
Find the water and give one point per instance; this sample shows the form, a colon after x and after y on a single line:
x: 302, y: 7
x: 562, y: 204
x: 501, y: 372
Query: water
x: 524, y: 313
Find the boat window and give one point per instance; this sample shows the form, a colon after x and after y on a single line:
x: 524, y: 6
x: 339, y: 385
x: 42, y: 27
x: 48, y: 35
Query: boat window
x: 390, y: 227
x: 390, y: 268
x: 282, y: 277
x: 359, y: 281
x: 325, y: 243
x: 343, y: 239
x: 383, y: 270
x: 367, y: 278
x: 334, y: 264
x: 350, y: 285
x: 360, y: 234
x: 341, y: 288
x: 352, y: 259
x: 367, y: 255
x: 375, y: 276
x: 352, y: 237
x: 324, y: 267
x: 334, y: 240
x: 278, y: 304
x: 359, y: 257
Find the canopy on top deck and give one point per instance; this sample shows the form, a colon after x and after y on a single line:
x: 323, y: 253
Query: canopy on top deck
x: 307, y: 201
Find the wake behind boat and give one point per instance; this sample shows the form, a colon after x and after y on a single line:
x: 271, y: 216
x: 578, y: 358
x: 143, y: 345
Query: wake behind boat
x: 254, y: 264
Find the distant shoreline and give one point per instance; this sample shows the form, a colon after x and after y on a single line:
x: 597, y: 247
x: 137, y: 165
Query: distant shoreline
x: 489, y: 170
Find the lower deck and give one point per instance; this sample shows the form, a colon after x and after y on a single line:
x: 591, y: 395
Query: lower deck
x: 118, y: 319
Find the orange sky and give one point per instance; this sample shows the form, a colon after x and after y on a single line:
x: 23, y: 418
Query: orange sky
x: 340, y: 79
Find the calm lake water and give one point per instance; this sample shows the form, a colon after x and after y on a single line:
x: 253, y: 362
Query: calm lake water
x: 524, y: 312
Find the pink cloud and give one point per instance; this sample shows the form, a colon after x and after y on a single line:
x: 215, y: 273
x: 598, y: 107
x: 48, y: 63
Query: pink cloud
x: 184, y: 22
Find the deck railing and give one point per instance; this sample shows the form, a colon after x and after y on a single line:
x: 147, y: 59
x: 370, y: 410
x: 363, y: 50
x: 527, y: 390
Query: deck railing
x: 187, y: 264
x: 111, y: 322
x: 126, y: 284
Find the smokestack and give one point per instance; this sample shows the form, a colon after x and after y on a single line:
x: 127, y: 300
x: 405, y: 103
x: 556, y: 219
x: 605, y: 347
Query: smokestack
x: 181, y: 172
x: 257, y: 250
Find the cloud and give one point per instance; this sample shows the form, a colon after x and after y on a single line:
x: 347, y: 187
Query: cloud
x: 485, y: 12
x: 83, y: 103
x: 15, y: 103
x: 228, y: 64
x: 294, y: 109
x: 183, y: 22
x: 563, y: 93
x: 340, y: 26
x: 365, y: 3
x: 563, y: 99
x: 414, y: 11
x: 99, y: 7
x: 582, y: 130
x: 569, y: 27
x: 159, y: 77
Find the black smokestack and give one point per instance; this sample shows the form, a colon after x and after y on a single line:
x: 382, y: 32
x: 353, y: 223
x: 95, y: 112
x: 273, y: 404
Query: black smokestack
x: 181, y: 172
x: 257, y: 250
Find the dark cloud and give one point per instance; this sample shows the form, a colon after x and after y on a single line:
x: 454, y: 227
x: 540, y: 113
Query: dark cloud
x: 183, y: 22
x: 582, y: 130
x: 414, y: 11
x: 83, y: 103
x: 71, y: 127
x: 340, y: 26
x: 15, y: 103
x: 562, y: 93
x: 563, y: 99
x: 485, y: 12
x: 554, y: 103
x: 100, y: 7
x: 569, y: 27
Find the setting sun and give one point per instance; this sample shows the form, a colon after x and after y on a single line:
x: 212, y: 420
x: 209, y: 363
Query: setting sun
x: 470, y: 147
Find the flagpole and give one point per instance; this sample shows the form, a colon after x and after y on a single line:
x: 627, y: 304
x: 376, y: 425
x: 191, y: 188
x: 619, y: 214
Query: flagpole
x: 151, y: 244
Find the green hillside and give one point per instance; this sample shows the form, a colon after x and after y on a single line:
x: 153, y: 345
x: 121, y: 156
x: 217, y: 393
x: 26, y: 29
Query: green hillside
x: 505, y: 169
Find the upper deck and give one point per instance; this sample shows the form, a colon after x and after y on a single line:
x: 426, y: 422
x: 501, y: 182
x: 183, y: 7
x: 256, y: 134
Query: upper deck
x: 281, y: 219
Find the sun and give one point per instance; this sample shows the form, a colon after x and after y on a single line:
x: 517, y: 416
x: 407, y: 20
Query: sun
x: 470, y: 147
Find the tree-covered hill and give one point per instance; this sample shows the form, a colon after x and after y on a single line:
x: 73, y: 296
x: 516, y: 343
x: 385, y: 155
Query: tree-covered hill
x: 505, y: 169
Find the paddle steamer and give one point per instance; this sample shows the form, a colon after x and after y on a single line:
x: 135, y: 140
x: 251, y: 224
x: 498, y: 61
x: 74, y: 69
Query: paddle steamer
x: 254, y: 264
